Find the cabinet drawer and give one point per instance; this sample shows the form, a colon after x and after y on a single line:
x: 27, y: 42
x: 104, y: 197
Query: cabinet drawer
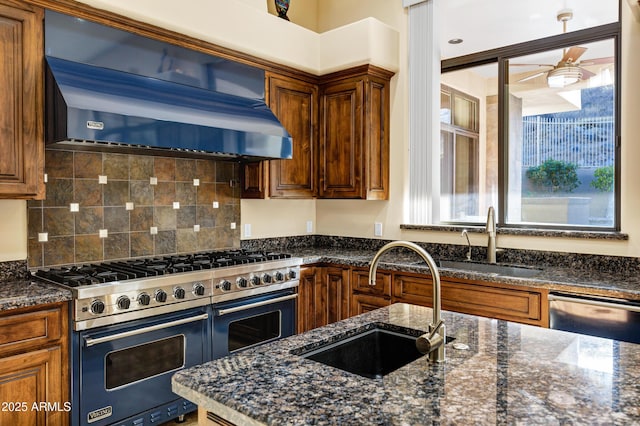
x: 360, y: 282
x: 30, y: 329
x: 508, y: 304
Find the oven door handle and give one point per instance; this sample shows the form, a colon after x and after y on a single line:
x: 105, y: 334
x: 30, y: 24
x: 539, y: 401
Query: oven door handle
x: 88, y: 341
x: 220, y: 312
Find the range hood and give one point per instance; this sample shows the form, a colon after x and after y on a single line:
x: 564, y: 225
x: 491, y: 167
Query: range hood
x: 110, y: 90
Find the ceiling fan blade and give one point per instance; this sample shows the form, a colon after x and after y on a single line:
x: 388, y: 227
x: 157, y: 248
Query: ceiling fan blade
x: 531, y: 77
x: 573, y: 54
x: 597, y: 61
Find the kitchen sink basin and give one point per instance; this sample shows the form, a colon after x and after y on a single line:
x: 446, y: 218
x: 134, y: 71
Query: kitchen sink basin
x: 373, y: 353
x: 491, y: 268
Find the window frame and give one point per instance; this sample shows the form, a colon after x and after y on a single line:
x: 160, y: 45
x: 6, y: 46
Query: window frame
x: 501, y: 57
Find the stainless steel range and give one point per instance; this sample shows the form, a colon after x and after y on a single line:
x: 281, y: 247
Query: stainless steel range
x: 136, y: 322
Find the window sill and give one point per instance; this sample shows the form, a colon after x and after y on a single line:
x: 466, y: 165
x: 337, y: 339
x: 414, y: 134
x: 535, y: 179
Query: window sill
x: 529, y: 232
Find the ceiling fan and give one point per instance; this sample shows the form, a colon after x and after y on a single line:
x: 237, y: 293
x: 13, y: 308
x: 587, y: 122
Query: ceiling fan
x: 569, y: 69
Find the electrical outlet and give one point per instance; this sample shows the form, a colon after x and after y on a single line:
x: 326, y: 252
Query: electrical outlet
x: 309, y: 226
x: 247, y: 229
x: 377, y: 229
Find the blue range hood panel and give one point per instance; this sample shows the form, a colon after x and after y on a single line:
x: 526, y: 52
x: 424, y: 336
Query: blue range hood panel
x: 140, y: 95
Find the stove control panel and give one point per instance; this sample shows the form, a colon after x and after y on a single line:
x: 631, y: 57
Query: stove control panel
x: 146, y: 296
x: 255, y: 282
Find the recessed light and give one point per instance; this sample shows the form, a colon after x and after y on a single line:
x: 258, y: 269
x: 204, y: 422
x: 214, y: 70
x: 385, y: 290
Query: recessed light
x: 455, y: 41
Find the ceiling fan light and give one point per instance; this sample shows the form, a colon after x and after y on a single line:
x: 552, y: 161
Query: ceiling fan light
x: 564, y: 76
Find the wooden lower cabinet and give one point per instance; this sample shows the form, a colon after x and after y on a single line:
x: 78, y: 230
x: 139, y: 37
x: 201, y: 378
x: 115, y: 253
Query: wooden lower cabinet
x: 34, y: 371
x: 332, y: 293
x: 500, y: 301
x: 323, y: 296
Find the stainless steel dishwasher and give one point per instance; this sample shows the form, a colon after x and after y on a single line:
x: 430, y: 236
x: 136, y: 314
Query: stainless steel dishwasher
x: 597, y: 316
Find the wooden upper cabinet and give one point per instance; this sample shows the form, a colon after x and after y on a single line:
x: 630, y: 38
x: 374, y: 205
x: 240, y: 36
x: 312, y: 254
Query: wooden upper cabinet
x: 295, y: 103
x: 21, y: 103
x: 354, y: 134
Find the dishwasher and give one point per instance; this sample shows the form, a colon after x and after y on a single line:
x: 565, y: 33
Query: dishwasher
x: 597, y: 316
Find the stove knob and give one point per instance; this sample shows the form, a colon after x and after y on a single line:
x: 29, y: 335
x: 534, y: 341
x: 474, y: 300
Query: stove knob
x: 198, y: 289
x: 123, y: 302
x: 161, y: 296
x: 225, y: 285
x: 266, y: 278
x: 179, y: 293
x: 97, y: 307
x: 279, y: 276
x: 255, y: 280
x: 242, y: 282
x: 292, y: 274
x: 144, y: 299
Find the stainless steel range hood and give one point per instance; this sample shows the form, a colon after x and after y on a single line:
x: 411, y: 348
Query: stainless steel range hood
x: 110, y: 90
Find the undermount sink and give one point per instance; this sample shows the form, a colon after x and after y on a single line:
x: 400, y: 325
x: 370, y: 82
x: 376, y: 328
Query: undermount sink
x: 373, y: 353
x: 490, y: 268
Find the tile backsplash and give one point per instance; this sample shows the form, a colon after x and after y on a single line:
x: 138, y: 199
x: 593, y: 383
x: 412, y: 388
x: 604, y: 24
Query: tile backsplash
x: 104, y: 206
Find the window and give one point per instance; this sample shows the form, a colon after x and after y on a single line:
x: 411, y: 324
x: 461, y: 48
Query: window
x: 531, y: 129
x: 561, y: 140
x: 459, y: 160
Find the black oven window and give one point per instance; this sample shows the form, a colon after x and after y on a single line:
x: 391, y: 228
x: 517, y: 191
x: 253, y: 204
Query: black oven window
x: 139, y: 362
x: 251, y: 331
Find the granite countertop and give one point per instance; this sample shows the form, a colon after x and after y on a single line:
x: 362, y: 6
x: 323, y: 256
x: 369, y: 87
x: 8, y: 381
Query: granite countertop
x: 623, y: 284
x: 22, y: 293
x: 510, y: 374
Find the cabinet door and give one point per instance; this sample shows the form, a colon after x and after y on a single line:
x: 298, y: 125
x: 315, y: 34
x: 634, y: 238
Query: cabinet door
x: 21, y: 115
x: 33, y: 378
x: 295, y: 103
x: 337, y: 282
x: 254, y: 179
x: 361, y: 303
x: 354, y: 134
x: 309, y: 283
x: 323, y: 296
x: 341, y: 133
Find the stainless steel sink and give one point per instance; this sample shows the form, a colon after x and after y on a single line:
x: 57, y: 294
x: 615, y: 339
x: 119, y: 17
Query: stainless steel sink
x: 491, y: 268
x: 373, y: 353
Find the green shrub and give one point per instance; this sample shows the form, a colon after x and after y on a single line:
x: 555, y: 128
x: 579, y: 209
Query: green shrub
x: 603, y: 179
x: 554, y: 176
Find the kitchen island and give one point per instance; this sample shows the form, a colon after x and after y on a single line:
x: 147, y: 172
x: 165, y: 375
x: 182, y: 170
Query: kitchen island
x: 498, y: 373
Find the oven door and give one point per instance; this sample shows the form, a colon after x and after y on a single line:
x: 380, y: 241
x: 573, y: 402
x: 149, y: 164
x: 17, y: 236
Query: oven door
x: 248, y: 322
x: 126, y: 369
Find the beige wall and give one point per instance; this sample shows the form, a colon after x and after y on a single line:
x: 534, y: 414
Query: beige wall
x: 13, y: 230
x: 272, y: 218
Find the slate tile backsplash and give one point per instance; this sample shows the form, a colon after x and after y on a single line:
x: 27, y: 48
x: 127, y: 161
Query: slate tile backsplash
x: 142, y: 205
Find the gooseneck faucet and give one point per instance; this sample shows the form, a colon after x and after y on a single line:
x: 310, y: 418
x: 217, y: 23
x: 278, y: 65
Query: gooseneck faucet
x: 491, y: 232
x: 465, y: 234
x: 430, y: 343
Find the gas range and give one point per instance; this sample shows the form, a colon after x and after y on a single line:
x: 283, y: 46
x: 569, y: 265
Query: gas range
x: 113, y: 292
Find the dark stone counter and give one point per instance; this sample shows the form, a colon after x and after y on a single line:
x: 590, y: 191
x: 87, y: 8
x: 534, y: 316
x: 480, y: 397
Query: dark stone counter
x: 510, y: 374
x: 623, y: 284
